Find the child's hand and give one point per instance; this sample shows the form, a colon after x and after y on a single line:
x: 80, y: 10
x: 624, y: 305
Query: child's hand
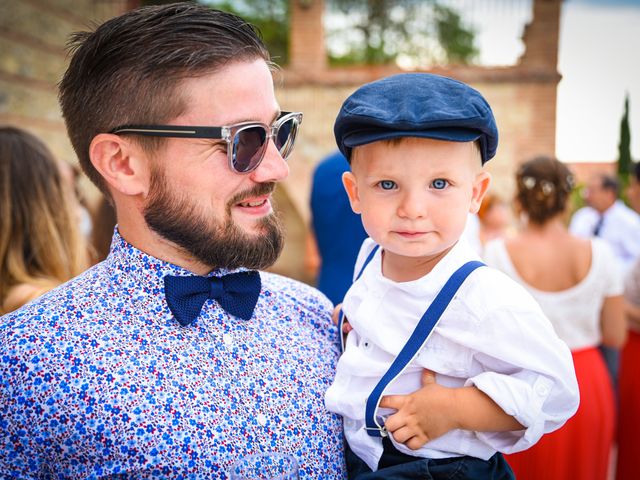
x: 335, y: 316
x: 422, y: 415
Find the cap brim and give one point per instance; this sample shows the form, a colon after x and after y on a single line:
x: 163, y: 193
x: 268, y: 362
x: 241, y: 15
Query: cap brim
x: 364, y: 137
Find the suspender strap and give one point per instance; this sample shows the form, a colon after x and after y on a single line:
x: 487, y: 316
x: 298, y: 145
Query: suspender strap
x: 418, y: 338
x: 341, y: 316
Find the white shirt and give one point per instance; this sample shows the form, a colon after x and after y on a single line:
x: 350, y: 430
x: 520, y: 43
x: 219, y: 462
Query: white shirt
x: 620, y: 229
x: 575, y: 312
x: 493, y: 335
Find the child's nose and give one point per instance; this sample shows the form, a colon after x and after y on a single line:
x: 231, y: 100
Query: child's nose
x: 412, y: 206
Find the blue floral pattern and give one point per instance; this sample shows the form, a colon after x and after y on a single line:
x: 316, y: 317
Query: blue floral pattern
x: 97, y: 379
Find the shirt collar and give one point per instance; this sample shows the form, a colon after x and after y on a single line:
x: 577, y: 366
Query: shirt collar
x: 460, y: 253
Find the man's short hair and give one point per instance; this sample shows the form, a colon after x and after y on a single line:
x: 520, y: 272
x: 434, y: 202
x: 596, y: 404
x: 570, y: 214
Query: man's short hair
x: 610, y: 183
x: 129, y: 69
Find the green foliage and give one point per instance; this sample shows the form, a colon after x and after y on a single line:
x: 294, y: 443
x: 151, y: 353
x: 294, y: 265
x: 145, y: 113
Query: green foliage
x: 270, y: 16
x: 371, y: 32
x: 383, y: 31
x: 624, y: 147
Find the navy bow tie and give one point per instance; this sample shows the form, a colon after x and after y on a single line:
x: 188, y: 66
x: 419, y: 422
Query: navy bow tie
x: 237, y: 293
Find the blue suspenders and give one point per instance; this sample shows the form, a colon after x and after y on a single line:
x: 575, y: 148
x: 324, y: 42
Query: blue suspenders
x: 418, y: 338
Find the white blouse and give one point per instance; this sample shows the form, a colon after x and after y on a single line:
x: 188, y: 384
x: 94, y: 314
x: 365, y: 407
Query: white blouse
x: 493, y: 335
x: 575, y: 312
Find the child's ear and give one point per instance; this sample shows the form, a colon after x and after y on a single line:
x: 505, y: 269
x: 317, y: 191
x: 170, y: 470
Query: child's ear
x: 351, y: 187
x: 120, y: 163
x: 480, y: 187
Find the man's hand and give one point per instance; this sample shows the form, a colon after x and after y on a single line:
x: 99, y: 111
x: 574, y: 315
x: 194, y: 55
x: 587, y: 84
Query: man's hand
x: 422, y: 415
x: 335, y: 316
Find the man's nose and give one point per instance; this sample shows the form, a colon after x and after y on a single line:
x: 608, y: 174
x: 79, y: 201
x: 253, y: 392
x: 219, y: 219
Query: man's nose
x: 273, y: 167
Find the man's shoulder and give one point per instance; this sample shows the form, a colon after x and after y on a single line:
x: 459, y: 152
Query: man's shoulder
x: 625, y: 214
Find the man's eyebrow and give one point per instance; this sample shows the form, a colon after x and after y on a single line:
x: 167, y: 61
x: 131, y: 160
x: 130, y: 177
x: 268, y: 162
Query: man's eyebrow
x: 253, y: 120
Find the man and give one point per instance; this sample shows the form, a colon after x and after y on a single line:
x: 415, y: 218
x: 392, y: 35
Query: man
x: 633, y: 190
x: 608, y: 217
x: 174, y: 357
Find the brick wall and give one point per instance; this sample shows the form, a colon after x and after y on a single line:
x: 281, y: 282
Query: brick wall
x: 33, y: 35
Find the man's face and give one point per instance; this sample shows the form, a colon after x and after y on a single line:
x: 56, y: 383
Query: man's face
x: 597, y: 197
x: 219, y: 217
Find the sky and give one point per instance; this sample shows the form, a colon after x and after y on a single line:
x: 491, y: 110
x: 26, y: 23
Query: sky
x: 599, y: 60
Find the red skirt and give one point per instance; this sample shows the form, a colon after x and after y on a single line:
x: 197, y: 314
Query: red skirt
x: 580, y: 449
x: 628, y: 464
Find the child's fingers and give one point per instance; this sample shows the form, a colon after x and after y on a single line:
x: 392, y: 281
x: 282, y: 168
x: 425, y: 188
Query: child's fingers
x: 346, y: 327
x: 402, y: 435
x: 392, y: 401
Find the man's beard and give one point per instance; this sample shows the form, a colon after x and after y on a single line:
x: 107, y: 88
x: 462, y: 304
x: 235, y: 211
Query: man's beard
x: 218, y: 243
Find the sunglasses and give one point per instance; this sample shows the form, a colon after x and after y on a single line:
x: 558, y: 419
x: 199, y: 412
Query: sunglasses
x: 246, y: 142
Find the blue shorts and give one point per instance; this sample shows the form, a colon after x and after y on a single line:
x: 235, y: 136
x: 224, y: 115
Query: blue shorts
x: 395, y: 465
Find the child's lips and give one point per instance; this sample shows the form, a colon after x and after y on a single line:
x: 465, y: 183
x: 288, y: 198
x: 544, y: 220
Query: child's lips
x: 410, y: 234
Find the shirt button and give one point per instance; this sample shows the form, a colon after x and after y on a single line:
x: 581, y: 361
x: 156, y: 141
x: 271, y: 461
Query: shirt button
x: 262, y: 419
x: 227, y: 338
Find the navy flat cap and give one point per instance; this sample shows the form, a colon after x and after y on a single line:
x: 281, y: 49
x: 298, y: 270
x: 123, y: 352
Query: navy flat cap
x: 416, y: 105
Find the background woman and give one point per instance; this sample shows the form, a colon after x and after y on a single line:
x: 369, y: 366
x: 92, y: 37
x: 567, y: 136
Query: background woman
x: 578, y: 286
x: 40, y: 242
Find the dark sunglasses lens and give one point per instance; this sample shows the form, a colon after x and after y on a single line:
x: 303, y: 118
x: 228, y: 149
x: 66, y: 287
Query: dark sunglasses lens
x: 286, y: 136
x: 248, y: 148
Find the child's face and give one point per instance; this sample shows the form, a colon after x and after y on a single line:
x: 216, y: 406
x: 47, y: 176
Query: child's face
x: 414, y: 195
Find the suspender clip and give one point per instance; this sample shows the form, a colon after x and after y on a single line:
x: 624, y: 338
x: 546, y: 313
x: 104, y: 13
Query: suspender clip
x: 377, y: 432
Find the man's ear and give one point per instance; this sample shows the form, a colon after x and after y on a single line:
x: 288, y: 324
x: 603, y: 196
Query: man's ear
x: 480, y: 187
x: 121, y: 164
x: 351, y: 187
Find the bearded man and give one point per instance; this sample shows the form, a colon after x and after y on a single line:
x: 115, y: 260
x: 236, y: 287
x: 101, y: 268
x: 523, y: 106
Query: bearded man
x: 175, y: 356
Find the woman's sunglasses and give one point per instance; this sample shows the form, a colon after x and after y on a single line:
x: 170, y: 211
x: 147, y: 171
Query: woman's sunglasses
x: 246, y: 142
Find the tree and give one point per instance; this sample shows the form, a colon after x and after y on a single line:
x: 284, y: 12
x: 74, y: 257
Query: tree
x: 416, y: 32
x: 624, y: 147
x: 270, y: 16
x: 370, y: 31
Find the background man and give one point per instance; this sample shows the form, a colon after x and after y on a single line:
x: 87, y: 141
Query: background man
x: 608, y: 217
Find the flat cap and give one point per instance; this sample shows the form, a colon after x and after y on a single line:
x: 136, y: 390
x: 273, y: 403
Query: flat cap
x: 416, y: 105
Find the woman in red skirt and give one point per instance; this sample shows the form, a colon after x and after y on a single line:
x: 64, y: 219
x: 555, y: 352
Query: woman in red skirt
x: 629, y: 373
x: 578, y: 286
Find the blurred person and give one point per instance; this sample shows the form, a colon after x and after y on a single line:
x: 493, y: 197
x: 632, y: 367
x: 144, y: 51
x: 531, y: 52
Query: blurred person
x: 103, y: 220
x: 633, y: 190
x: 40, y: 242
x: 494, y: 218
x: 607, y: 217
x: 337, y: 232
x: 629, y: 374
x: 176, y: 355
x: 579, y: 287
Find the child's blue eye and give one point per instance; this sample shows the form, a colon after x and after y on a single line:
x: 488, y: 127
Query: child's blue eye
x: 439, y: 183
x: 387, y: 184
